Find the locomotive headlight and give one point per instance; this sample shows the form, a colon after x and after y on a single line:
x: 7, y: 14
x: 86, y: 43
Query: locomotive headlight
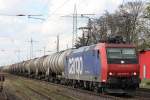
x: 134, y: 73
x: 110, y: 73
x: 103, y: 80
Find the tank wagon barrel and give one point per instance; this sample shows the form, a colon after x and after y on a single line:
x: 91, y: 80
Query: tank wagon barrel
x: 39, y: 65
x: 23, y: 67
x: 43, y: 65
x: 26, y: 66
x: 30, y: 66
x: 55, y: 63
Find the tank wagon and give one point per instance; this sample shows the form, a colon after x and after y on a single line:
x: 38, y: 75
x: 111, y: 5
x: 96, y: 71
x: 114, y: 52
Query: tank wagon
x: 100, y: 67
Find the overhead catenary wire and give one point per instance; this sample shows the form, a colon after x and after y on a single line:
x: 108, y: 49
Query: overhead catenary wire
x: 53, y: 12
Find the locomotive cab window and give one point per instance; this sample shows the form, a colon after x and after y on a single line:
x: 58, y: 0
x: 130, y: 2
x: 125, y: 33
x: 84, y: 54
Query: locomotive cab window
x: 116, y: 54
x: 128, y: 53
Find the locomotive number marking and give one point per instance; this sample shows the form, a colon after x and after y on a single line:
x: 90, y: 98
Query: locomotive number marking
x: 75, y: 66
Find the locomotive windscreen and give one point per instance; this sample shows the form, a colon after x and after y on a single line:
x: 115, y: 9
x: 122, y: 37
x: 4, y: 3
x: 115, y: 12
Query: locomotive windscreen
x: 122, y: 55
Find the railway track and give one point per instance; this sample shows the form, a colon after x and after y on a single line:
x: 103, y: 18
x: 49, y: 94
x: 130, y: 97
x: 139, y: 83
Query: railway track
x: 39, y: 93
x: 3, y: 95
x: 86, y: 91
x: 144, y: 90
x: 143, y: 93
x: 106, y: 96
x: 34, y: 88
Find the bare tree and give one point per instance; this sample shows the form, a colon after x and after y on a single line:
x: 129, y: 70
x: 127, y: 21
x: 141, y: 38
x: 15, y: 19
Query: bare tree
x: 127, y: 22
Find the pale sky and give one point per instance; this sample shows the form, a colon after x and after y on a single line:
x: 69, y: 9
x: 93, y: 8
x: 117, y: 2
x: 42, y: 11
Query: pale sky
x: 15, y: 32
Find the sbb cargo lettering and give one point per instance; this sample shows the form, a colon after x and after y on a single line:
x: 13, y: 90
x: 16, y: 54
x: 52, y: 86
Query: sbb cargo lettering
x: 75, y: 65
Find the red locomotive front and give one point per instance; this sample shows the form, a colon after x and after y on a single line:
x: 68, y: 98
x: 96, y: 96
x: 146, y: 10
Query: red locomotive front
x: 121, y: 67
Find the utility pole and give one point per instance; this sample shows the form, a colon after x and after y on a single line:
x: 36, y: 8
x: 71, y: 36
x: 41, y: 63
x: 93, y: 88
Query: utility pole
x: 57, y: 43
x: 75, y: 24
x: 67, y: 46
x: 31, y: 47
x: 84, y: 36
x: 89, y: 32
x: 74, y: 37
x: 18, y: 51
x: 89, y: 28
x: 75, y: 15
x: 44, y: 50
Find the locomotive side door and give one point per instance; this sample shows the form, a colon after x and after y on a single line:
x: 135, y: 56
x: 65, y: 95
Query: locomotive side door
x: 97, y: 64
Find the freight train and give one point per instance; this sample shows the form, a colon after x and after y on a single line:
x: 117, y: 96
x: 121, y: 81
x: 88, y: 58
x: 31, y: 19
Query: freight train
x: 101, y: 67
